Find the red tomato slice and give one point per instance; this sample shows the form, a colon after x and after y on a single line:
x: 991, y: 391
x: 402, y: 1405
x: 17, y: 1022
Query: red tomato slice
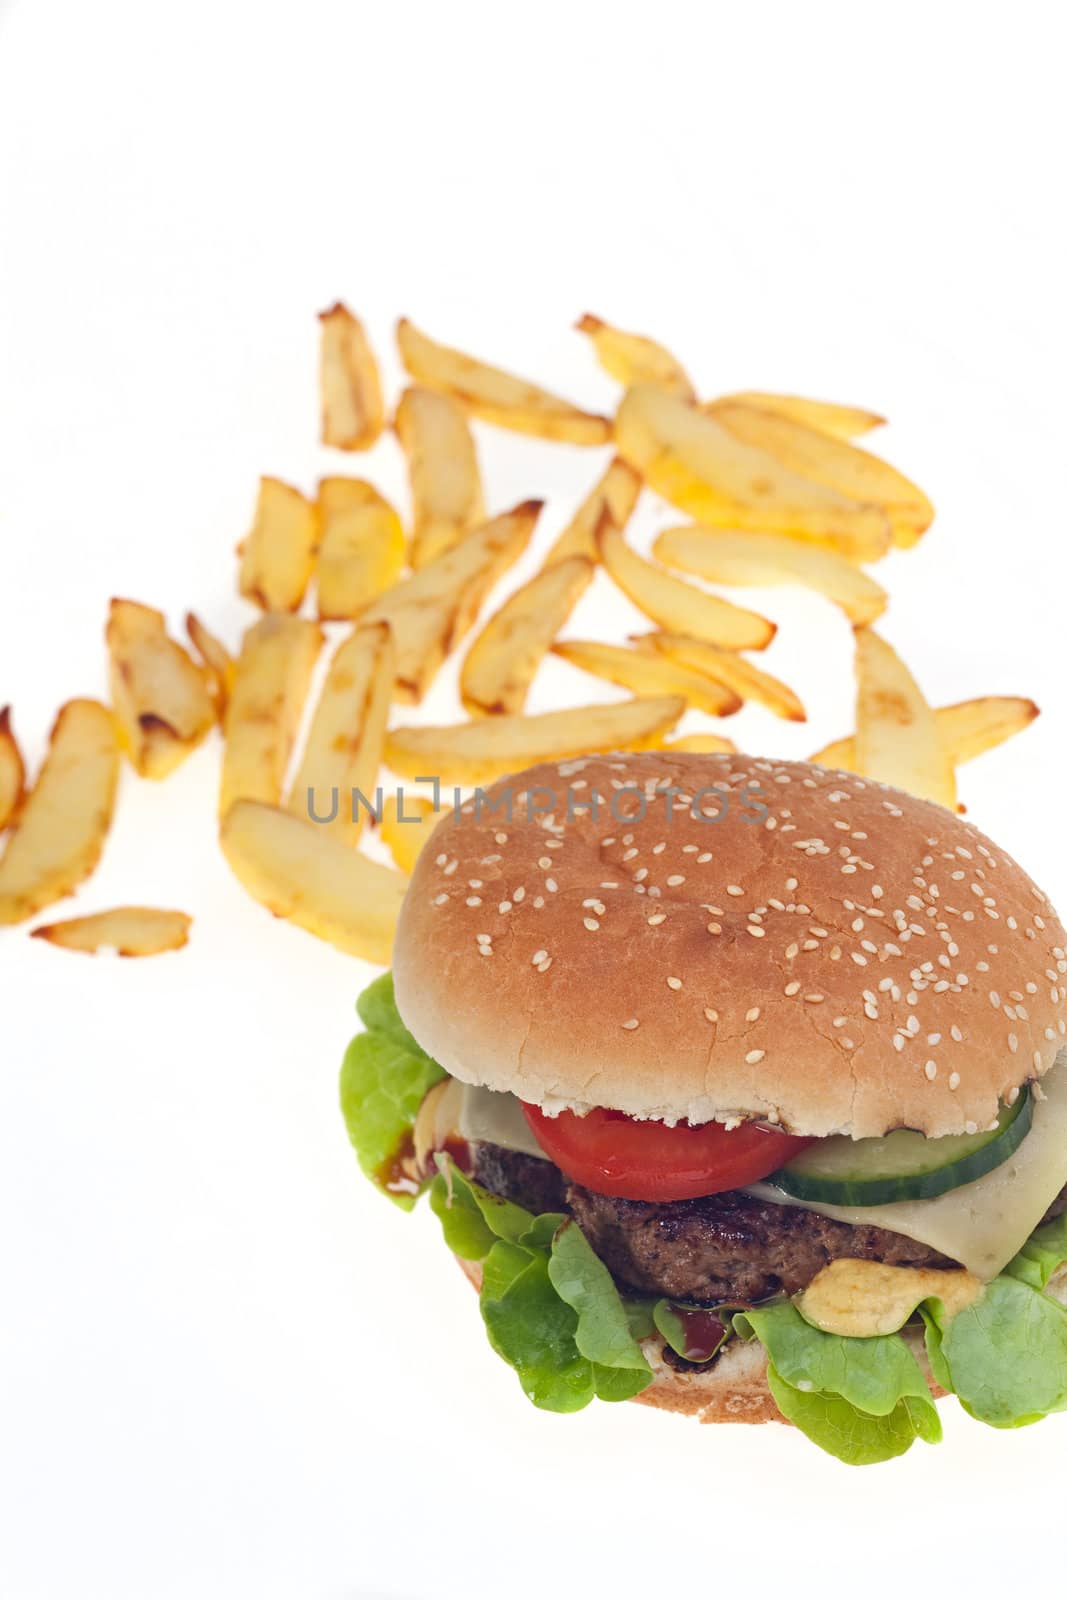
x: 617, y: 1155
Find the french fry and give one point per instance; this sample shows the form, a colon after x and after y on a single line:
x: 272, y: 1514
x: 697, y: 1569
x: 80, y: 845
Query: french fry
x: 446, y: 484
x: 347, y: 734
x: 728, y: 668
x: 278, y: 553
x: 361, y: 548
x: 217, y: 662
x: 63, y: 822
x: 494, y: 395
x: 616, y: 494
x: 766, y: 560
x: 12, y: 771
x: 632, y: 358
x: 842, y: 422
x: 648, y: 673
x: 350, y: 390
x: 432, y: 610
x: 700, y: 466
x: 313, y: 879
x: 407, y: 822
x: 897, y: 739
x: 503, y: 659
x: 967, y: 729
x: 677, y: 605
x: 270, y: 686
x: 478, y: 752
x: 128, y: 930
x: 162, y: 702
x: 703, y: 744
x: 833, y: 462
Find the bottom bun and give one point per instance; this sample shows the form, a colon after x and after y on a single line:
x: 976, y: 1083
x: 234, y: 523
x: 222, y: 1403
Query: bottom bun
x: 734, y: 1387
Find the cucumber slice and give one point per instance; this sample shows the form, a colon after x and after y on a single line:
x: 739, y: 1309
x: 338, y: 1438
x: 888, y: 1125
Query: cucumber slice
x: 902, y: 1165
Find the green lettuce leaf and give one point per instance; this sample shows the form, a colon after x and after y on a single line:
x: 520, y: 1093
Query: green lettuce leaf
x: 668, y: 1324
x: 384, y: 1078
x: 582, y: 1280
x: 881, y: 1402
x: 1043, y: 1254
x: 1005, y: 1357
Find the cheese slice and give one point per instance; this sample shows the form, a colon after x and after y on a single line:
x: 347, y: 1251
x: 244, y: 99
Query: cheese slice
x: 983, y: 1224
x: 488, y: 1117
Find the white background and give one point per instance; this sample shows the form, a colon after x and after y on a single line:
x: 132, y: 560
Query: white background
x: 227, y: 1367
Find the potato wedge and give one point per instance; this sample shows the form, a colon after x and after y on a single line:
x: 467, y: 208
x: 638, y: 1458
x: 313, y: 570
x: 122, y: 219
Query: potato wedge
x: 347, y: 734
x: 494, y: 395
x: 12, y: 771
x: 313, y: 879
x: 270, y: 686
x: 767, y: 560
x: 361, y: 547
x: 728, y: 668
x: 407, y: 822
x: 278, y: 553
x: 503, y: 659
x: 967, y: 729
x: 217, y: 662
x: 350, y: 390
x: 647, y: 673
x: 446, y: 483
x: 128, y: 930
x: 677, y: 605
x: 162, y: 702
x: 616, y: 493
x: 701, y: 744
x: 632, y: 358
x: 832, y: 462
x: 842, y: 422
x: 432, y: 610
x: 63, y: 822
x: 897, y: 739
x: 699, y: 465
x: 479, y: 752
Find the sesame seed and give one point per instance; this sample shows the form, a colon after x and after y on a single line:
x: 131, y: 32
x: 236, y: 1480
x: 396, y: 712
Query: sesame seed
x: 543, y: 966
x: 931, y: 1070
x: 714, y: 927
x: 752, y: 1014
x: 712, y: 1016
x: 734, y: 889
x: 591, y: 923
x: 519, y: 895
x: 792, y: 988
x: 753, y: 1056
x: 473, y: 900
x: 551, y: 885
x: 674, y: 983
x: 755, y: 931
x: 656, y: 918
x: 439, y: 899
x: 954, y: 1080
x: 814, y: 999
x: 537, y: 957
x: 632, y: 1023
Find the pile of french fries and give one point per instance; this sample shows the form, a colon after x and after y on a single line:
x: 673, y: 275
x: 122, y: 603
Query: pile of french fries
x: 777, y: 493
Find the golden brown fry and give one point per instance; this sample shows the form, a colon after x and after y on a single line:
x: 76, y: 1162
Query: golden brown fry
x: 162, y: 700
x: 503, y: 659
x: 353, y: 413
x: 313, y: 879
x: 278, y: 554
x: 347, y: 734
x: 633, y: 358
x: 479, y: 752
x: 766, y: 560
x: 704, y: 744
x: 967, y: 729
x: 407, y: 822
x: 446, y: 484
x: 432, y: 610
x: 647, y: 673
x: 833, y: 462
x: 843, y: 422
x: 677, y: 605
x: 699, y: 465
x: 615, y: 495
x: 361, y: 548
x: 270, y: 686
x: 128, y: 930
x: 12, y: 771
x: 64, y: 820
x: 218, y: 664
x: 729, y: 669
x: 494, y: 395
x: 897, y: 739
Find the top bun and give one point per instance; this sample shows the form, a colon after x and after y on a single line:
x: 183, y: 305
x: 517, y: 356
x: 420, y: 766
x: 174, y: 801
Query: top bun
x: 831, y: 954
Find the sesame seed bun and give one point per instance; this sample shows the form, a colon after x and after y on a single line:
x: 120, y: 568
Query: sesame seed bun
x: 831, y: 954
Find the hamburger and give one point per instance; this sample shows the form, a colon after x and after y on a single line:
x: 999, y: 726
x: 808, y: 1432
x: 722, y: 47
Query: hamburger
x: 736, y: 1087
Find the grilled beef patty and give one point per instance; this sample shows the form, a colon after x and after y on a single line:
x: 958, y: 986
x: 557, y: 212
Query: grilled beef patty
x: 720, y: 1248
